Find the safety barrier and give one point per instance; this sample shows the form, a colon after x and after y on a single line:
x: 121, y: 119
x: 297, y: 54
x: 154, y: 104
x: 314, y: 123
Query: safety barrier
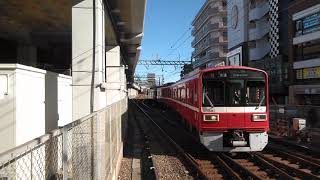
x: 84, y: 149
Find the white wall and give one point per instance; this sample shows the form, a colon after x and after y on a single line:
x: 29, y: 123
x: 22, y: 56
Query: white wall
x: 82, y: 57
x: 116, y: 82
x: 36, y: 102
x: 30, y: 104
x: 7, y: 112
x: 240, y: 33
x: 64, y: 99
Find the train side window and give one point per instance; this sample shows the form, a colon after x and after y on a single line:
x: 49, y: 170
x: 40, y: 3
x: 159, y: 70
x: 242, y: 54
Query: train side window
x: 195, y: 93
x: 175, y: 93
x: 192, y: 96
x: 183, y: 94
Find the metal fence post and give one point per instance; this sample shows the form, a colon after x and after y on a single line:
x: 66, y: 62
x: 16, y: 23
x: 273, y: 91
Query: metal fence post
x: 65, y: 153
x: 99, y: 147
x: 92, y: 146
x: 31, y: 165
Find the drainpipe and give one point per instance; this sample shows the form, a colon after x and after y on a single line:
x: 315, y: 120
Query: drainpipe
x: 93, y: 58
x: 92, y: 83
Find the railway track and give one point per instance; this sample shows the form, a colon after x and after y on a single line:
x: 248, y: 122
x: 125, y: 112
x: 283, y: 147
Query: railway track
x: 203, y: 164
x: 142, y: 149
x: 274, y: 163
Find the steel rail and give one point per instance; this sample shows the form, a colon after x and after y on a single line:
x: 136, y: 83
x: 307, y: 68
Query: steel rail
x: 228, y: 169
x: 294, y: 152
x: 241, y: 167
x: 233, y: 174
x: 147, y: 148
x: 296, y: 146
x: 272, y: 167
x: 187, y: 156
x: 294, y: 157
x: 298, y: 172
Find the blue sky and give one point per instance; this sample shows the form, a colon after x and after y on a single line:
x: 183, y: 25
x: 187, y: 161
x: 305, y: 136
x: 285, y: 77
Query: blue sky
x: 167, y: 35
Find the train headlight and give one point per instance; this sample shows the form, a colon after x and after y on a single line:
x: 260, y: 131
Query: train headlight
x: 259, y: 117
x: 211, y: 117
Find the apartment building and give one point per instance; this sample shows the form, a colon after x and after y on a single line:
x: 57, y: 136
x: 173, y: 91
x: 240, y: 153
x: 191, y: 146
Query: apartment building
x: 304, y: 52
x: 210, y: 35
x: 258, y: 37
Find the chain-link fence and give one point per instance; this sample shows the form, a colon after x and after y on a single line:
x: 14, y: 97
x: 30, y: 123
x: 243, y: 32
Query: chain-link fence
x: 84, y: 149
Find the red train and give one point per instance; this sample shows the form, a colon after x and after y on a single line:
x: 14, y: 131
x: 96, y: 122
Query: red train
x: 226, y: 106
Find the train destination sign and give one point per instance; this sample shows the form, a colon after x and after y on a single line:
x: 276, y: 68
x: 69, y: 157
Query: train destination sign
x: 234, y: 73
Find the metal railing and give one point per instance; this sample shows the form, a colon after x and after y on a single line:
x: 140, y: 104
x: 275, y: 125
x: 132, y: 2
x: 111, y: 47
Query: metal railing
x: 84, y: 149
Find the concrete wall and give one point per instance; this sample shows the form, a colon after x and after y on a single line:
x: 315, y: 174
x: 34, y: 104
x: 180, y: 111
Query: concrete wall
x: 239, y: 34
x: 109, y: 84
x: 82, y: 56
x: 116, y: 79
x: 36, y: 102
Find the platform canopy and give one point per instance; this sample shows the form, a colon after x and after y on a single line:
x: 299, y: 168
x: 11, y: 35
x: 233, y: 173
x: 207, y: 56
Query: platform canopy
x: 42, y: 22
x: 128, y: 16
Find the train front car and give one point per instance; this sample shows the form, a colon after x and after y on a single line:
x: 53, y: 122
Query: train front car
x: 234, y: 109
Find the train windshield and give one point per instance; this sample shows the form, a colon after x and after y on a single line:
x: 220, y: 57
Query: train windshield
x: 233, y: 90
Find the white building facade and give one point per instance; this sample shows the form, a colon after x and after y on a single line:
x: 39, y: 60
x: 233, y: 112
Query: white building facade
x: 210, y: 35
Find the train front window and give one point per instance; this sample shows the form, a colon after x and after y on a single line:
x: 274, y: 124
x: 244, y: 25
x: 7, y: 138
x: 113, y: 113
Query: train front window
x: 213, y: 93
x: 255, y: 93
x: 235, y: 91
x: 234, y: 88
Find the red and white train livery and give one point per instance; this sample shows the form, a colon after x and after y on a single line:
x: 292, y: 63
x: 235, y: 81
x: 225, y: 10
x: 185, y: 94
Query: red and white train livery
x: 226, y: 106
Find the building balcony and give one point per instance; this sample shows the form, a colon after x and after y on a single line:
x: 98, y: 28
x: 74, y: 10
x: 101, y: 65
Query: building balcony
x: 210, y: 12
x: 210, y: 42
x: 262, y: 28
x: 307, y: 63
x: 306, y: 38
x: 223, y: 39
x: 259, y: 11
x: 208, y: 57
x: 205, y: 32
x: 259, y: 52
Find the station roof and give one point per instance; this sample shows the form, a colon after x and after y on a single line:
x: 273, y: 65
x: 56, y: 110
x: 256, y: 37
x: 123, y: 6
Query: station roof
x: 129, y: 19
x: 29, y: 21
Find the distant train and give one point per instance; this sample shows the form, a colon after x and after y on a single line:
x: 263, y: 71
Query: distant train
x: 226, y: 107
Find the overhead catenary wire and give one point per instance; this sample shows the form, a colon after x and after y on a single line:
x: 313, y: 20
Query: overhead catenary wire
x: 176, y: 42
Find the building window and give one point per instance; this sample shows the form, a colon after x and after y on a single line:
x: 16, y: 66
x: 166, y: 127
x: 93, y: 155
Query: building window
x: 308, y: 73
x: 224, y: 4
x: 252, y: 44
x: 310, y: 50
x: 252, y: 4
x: 308, y: 24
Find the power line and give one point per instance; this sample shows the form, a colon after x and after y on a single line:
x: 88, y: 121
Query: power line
x: 177, y: 47
x: 180, y: 37
x: 162, y: 62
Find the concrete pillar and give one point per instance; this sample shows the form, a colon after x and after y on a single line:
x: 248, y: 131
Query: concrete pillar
x: 82, y: 56
x: 86, y: 25
x: 27, y: 55
x: 115, y: 75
